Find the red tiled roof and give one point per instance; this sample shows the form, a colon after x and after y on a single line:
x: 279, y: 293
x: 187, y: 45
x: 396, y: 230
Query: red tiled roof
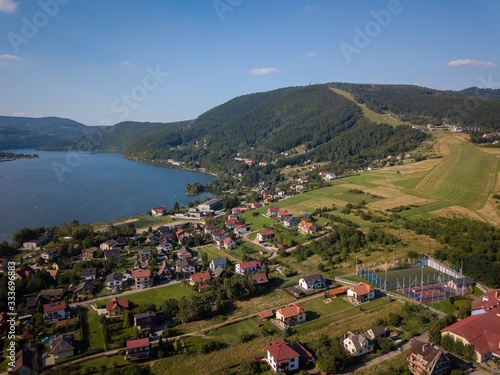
x: 337, y: 291
x: 361, y: 289
x: 266, y: 314
x: 240, y: 226
x: 266, y: 232
x: 272, y: 208
x: 200, y: 277
x: 115, y: 302
x: 482, y: 331
x: 250, y: 264
x: 290, y: 310
x: 51, y: 307
x: 141, y: 273
x: 260, y: 278
x: 282, y: 351
x: 228, y: 240
x: 137, y: 343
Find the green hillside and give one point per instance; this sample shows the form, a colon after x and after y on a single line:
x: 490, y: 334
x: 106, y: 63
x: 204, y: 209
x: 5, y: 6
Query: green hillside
x: 27, y: 132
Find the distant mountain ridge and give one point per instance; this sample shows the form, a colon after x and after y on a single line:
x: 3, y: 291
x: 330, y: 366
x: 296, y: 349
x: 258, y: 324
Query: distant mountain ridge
x: 311, y: 122
x: 29, y: 132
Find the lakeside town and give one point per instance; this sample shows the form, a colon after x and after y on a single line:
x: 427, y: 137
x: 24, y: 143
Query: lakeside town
x: 206, y: 262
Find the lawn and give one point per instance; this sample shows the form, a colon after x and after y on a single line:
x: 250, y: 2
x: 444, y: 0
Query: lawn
x: 92, y: 336
x: 156, y: 295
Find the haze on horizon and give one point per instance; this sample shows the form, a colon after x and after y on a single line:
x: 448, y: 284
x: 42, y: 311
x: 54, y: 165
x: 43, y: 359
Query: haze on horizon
x: 102, y: 62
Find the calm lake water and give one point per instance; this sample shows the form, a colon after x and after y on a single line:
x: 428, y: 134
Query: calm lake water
x: 89, y: 187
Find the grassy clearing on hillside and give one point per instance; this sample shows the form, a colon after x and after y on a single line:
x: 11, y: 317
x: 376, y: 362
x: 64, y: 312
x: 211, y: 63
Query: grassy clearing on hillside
x: 368, y: 113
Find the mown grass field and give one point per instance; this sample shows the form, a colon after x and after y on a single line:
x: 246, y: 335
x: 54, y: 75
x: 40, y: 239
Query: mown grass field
x: 156, y: 295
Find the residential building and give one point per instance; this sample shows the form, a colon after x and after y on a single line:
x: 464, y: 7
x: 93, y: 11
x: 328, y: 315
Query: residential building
x: 357, y: 344
x: 50, y: 254
x: 116, y: 306
x: 138, y: 349
x: 283, y: 214
x: 88, y: 273
x: 228, y: 243
x: 184, y: 253
x: 109, y: 244
x: 114, y: 280
x: 336, y: 292
x: 145, y: 321
x: 230, y: 223
x: 261, y: 280
x: 360, y: 293
x: 54, y: 311
x: 112, y: 253
x: 200, y: 278
x: 207, y: 220
x: 240, y: 228
x: 26, y: 362
x: 281, y: 357
x: 290, y: 221
x: 376, y: 332
x: 145, y: 255
x: 90, y: 253
x: 83, y: 289
x: 184, y: 266
x: 265, y: 235
x: 219, y: 235
x: 217, y: 262
x: 210, y: 228
x: 306, y: 227
x: 310, y: 282
x: 247, y: 268
x: 63, y: 346
x: 142, y: 278
x: 291, y: 315
x: 272, y: 211
x: 159, y: 211
x: 425, y: 359
x: 152, y: 238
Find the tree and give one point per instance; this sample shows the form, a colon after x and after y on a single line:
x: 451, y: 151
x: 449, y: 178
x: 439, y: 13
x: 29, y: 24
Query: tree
x: 177, y: 207
x: 128, y: 319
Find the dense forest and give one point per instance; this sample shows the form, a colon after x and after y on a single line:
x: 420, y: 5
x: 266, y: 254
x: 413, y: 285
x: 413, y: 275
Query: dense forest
x: 471, y: 107
x: 474, y: 243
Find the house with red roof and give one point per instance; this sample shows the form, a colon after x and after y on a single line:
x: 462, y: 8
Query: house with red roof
x: 138, y: 349
x: 283, y: 214
x: 291, y: 315
x: 240, y: 228
x: 284, y: 357
x: 159, y: 211
x: 265, y: 235
x: 142, y: 278
x: 482, y: 329
x: 231, y: 223
x: 305, y: 227
x: 54, y: 311
x: 116, y: 306
x: 228, y: 243
x: 272, y: 211
x: 200, y: 278
x: 219, y: 235
x: 261, y: 280
x: 247, y: 268
x: 360, y: 293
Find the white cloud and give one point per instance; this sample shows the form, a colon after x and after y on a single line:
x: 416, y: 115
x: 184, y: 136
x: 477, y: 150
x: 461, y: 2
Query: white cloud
x: 263, y: 71
x: 19, y: 114
x: 4, y: 59
x: 470, y: 62
x: 310, y: 54
x: 8, y: 6
x: 127, y: 64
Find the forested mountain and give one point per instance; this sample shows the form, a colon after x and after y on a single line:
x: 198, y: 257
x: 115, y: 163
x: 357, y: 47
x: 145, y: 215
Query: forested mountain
x: 471, y: 107
x: 308, y: 123
x: 27, y: 132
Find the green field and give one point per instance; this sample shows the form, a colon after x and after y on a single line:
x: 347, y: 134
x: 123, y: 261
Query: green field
x: 156, y: 295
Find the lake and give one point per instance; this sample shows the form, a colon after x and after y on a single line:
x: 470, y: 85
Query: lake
x: 89, y: 187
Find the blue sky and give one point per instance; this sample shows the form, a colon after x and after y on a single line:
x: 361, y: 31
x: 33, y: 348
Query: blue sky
x: 103, y: 61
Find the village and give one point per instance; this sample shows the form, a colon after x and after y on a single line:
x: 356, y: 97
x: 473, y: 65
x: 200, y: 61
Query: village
x: 203, y: 255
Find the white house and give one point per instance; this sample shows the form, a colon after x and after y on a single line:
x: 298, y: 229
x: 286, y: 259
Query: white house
x: 310, y: 282
x: 247, y: 268
x: 281, y: 357
x: 357, y: 345
x: 113, y: 280
x: 361, y: 292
